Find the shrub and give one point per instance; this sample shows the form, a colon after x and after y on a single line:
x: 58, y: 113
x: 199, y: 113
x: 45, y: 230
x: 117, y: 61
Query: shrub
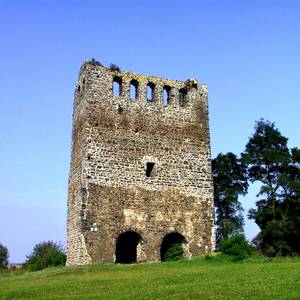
x: 95, y: 62
x: 208, y: 256
x: 46, y: 254
x: 236, y: 246
x: 175, y: 252
x: 3, y: 256
x: 114, y: 67
x: 120, y: 109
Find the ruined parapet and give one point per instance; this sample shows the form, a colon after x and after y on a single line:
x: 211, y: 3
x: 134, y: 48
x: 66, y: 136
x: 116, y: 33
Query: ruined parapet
x: 140, y: 167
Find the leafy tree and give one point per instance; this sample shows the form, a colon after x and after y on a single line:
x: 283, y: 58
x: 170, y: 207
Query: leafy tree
x: 277, y: 168
x: 46, y: 254
x: 3, y: 256
x: 230, y: 181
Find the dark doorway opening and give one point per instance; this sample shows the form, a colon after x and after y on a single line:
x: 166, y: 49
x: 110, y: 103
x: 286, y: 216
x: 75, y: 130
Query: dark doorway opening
x: 172, y: 241
x: 126, y: 247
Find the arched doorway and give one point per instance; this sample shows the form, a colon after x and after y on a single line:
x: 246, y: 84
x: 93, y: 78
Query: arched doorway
x: 126, y: 247
x: 174, y: 241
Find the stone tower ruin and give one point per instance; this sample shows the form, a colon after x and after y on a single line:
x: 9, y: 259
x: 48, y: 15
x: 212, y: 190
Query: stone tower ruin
x: 140, y: 178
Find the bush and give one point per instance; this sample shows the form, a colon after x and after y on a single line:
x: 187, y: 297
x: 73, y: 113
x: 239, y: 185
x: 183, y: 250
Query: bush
x: 236, y: 246
x: 175, y: 252
x: 114, y: 67
x: 3, y: 256
x: 208, y: 256
x: 46, y: 254
x: 95, y: 62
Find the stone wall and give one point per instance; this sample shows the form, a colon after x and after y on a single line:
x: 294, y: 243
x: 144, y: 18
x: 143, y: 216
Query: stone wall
x: 115, y: 142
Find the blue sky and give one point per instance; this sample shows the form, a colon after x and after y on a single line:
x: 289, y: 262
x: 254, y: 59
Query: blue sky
x: 246, y: 51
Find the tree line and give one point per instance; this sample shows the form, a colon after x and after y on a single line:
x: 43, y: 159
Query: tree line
x: 266, y: 160
x: 44, y: 254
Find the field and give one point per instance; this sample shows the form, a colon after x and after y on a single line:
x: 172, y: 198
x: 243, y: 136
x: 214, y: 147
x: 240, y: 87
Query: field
x: 202, y: 278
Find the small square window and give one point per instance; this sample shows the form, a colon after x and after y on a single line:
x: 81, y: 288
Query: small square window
x: 149, y: 169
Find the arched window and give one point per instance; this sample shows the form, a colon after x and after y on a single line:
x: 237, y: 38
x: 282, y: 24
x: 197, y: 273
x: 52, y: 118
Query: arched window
x: 150, y: 92
x: 126, y: 247
x: 172, y: 245
x: 133, y: 89
x: 117, y: 86
x: 166, y: 95
x: 182, y: 97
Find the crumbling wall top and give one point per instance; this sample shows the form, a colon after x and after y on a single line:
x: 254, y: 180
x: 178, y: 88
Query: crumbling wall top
x: 141, y: 78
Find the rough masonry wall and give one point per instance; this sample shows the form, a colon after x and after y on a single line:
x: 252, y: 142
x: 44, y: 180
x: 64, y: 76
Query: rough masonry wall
x: 77, y: 252
x: 114, y: 137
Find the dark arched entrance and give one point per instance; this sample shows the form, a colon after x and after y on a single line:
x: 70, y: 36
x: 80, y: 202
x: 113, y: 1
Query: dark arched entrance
x: 170, y: 240
x: 126, y: 247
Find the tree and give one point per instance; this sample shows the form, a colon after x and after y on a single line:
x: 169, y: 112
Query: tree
x: 3, y: 256
x: 290, y: 203
x: 270, y: 162
x: 230, y: 181
x: 46, y: 254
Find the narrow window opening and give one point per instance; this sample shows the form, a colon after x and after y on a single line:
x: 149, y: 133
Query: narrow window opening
x: 166, y: 95
x: 117, y: 84
x: 149, y: 169
x: 83, y: 84
x: 133, y: 90
x: 182, y: 97
x: 150, y: 92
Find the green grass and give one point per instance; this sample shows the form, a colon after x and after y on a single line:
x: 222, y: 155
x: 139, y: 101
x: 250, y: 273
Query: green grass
x: 214, y: 278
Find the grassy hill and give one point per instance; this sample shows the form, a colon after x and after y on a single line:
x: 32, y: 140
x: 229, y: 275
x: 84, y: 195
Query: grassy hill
x: 214, y: 278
